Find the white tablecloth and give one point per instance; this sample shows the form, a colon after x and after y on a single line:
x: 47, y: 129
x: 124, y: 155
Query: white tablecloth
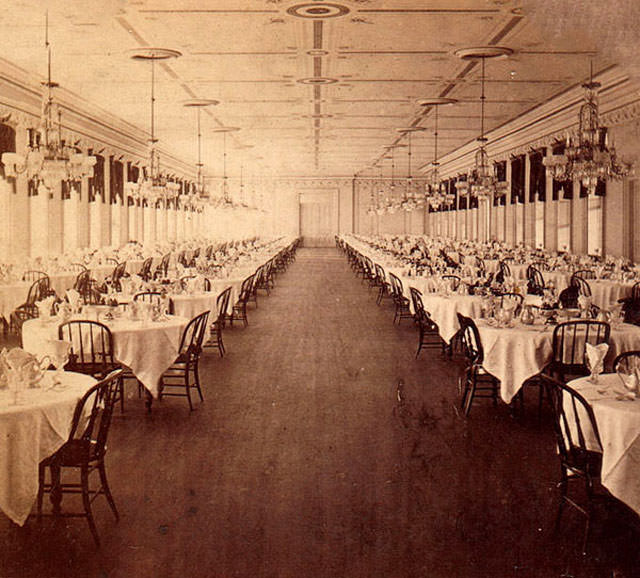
x: 219, y: 285
x: 12, y: 295
x: 619, y: 426
x: 605, y: 293
x: 444, y: 309
x: 30, y: 432
x: 515, y: 354
x: 147, y: 348
x: 191, y: 305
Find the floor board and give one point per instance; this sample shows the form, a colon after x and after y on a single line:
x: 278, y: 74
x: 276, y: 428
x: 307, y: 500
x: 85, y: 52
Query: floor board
x: 306, y: 461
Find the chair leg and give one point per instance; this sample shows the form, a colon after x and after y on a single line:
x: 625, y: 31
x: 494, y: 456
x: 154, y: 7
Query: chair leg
x: 107, y: 490
x: 196, y: 375
x: 470, y: 395
x: 86, y: 500
x: 42, y: 470
x: 121, y: 388
x: 187, y: 388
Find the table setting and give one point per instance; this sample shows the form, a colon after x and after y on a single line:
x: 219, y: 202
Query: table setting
x: 145, y: 338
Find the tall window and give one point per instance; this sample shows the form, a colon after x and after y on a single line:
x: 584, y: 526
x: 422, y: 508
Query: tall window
x: 116, y: 181
x: 96, y: 182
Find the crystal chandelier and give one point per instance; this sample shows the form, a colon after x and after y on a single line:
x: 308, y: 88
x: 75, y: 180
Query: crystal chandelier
x: 482, y: 182
x: 412, y: 199
x: 153, y: 186
x: 195, y: 198
x: 588, y: 157
x: 48, y: 159
x: 436, y: 193
x: 225, y: 200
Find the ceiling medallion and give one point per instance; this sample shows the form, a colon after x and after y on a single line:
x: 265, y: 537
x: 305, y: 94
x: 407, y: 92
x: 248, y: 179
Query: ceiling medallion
x: 436, y: 101
x: 154, y: 53
x: 317, y: 80
x: 482, y: 52
x: 318, y: 10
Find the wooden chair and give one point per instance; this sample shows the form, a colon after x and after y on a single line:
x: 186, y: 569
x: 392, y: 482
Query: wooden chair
x: 477, y: 381
x: 83, y: 452
x: 153, y: 297
x: 579, y: 448
x: 145, y: 269
x: 183, y: 375
x: 627, y: 361
x: 33, y: 276
x: 215, y: 330
x: 585, y: 274
x: 403, y: 311
x: 453, y: 281
x: 384, y: 288
x: 91, y: 350
x: 240, y: 308
x: 582, y: 285
x: 163, y: 267
x: 515, y: 300
x: 429, y: 336
x: 535, y: 281
x: 569, y: 341
x: 38, y: 291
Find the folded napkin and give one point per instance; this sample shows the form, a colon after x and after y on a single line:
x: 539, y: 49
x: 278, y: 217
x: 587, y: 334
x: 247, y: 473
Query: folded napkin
x: 73, y: 297
x: 44, y: 307
x: 595, y: 358
x: 584, y: 302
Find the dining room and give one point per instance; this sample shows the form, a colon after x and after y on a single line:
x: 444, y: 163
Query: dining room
x: 319, y: 288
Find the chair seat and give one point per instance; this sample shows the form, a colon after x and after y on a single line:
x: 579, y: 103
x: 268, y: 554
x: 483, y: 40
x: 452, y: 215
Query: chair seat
x: 579, y: 460
x: 74, y: 453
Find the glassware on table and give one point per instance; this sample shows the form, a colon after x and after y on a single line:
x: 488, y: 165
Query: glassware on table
x: 629, y: 379
x: 59, y: 351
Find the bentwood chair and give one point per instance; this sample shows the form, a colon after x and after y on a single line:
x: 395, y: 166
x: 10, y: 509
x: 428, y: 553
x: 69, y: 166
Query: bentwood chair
x: 582, y: 285
x: 84, y: 453
x: 535, y: 281
x: 403, y: 310
x: 91, y: 350
x: 429, y: 336
x: 569, y: 359
x: 240, y: 308
x: 453, y: 281
x: 145, y: 269
x: 183, y: 375
x: 384, y: 288
x: 33, y: 276
x: 38, y: 291
x: 477, y: 382
x: 163, y: 268
x: 585, y: 273
x: 579, y: 449
x: 627, y: 361
x: 514, y: 300
x: 215, y: 339
x: 153, y: 297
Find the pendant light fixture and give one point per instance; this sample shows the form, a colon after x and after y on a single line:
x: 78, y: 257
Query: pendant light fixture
x: 436, y: 195
x: 153, y: 186
x: 482, y: 181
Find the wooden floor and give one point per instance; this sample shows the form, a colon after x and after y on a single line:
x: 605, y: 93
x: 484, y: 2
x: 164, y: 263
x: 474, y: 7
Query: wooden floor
x: 306, y: 461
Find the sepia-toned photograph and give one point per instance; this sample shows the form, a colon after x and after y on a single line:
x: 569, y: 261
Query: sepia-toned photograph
x: 320, y: 289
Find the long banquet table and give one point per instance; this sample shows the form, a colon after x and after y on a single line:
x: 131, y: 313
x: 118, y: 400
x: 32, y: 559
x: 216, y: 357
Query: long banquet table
x: 31, y: 431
